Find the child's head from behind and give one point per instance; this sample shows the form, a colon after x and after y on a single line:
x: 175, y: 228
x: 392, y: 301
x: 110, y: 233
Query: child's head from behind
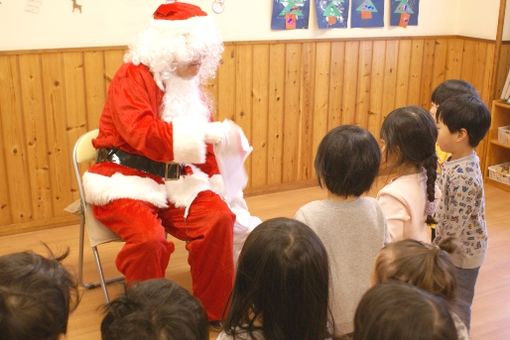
x: 409, y: 135
x: 36, y: 296
x: 155, y: 309
x: 347, y: 161
x: 450, y: 88
x: 398, y: 311
x: 281, y: 283
x: 462, y: 121
x: 425, y: 266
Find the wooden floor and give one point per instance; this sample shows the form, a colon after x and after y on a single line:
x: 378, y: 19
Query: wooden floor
x: 491, y: 308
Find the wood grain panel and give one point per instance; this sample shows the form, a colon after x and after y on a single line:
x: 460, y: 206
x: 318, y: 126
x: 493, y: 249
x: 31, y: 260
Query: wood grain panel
x: 260, y: 111
x: 286, y: 95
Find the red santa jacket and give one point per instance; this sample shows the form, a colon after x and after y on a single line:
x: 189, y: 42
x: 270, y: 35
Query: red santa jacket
x: 131, y: 122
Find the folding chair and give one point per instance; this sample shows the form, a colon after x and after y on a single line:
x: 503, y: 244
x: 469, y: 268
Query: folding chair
x: 98, y: 234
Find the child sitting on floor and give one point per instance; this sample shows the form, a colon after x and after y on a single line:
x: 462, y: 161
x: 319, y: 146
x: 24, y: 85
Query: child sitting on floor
x: 281, y: 285
x: 155, y: 309
x: 36, y: 296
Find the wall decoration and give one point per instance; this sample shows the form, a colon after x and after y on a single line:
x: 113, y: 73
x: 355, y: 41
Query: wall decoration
x: 76, y: 6
x: 367, y: 13
x: 332, y: 13
x: 404, y: 12
x: 290, y: 14
x: 33, y: 6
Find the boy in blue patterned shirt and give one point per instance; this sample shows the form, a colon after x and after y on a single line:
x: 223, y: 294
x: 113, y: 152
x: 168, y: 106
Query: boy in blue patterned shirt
x: 462, y: 122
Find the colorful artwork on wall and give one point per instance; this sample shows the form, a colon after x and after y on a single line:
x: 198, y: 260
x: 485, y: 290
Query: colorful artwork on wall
x: 367, y: 13
x: 332, y: 13
x: 290, y: 14
x: 404, y: 12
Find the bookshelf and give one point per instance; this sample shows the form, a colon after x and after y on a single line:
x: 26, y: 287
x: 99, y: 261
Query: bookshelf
x: 498, y: 152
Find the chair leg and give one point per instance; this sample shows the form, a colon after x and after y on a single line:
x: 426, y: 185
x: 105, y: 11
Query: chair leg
x: 80, y: 252
x: 101, y: 275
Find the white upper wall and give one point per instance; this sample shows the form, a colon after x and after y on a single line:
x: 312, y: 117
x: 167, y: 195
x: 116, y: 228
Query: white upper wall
x: 477, y: 18
x: 115, y: 22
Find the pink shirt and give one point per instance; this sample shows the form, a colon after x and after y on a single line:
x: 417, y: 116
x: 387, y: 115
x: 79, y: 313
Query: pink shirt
x: 403, y: 204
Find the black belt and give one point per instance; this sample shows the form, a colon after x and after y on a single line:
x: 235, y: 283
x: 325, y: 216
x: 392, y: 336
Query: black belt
x: 165, y: 170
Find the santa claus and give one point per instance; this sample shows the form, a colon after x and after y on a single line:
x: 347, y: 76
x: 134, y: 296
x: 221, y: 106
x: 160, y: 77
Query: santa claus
x: 157, y: 170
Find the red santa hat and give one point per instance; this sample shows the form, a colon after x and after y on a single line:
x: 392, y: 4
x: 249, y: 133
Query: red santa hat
x: 178, y: 11
x: 178, y: 33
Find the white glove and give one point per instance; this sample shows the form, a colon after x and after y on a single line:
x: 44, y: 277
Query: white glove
x: 214, y: 132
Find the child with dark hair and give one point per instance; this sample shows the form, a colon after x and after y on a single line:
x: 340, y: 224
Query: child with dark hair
x: 36, y: 296
x: 409, y: 136
x: 281, y: 285
x: 462, y: 122
x: 156, y: 309
x: 351, y: 227
x: 447, y: 89
x: 423, y: 265
x: 398, y: 311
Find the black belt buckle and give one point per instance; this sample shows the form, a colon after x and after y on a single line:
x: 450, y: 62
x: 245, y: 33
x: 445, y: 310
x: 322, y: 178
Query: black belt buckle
x: 173, y: 171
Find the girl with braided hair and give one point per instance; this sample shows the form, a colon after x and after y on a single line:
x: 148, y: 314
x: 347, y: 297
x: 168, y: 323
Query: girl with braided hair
x: 409, y: 136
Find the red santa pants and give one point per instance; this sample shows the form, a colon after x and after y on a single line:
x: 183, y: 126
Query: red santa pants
x: 208, y: 232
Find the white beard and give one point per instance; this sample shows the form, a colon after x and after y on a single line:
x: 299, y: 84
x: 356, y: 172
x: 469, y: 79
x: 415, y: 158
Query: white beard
x: 183, y: 99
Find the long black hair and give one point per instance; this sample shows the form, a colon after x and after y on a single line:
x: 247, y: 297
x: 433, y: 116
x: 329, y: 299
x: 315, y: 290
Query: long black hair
x: 281, y: 285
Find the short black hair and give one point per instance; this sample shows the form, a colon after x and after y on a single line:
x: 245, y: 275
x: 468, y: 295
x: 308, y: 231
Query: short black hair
x: 36, y: 296
x: 465, y: 112
x: 155, y: 309
x: 450, y: 88
x: 399, y: 311
x: 347, y: 160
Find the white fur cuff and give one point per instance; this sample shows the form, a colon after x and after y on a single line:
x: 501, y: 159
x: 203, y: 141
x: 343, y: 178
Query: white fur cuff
x: 217, y: 184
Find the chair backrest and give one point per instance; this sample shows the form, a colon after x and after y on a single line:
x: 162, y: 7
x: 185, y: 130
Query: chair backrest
x: 84, y: 151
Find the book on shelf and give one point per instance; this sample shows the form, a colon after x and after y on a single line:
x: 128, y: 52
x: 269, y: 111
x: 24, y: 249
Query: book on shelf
x: 505, y: 94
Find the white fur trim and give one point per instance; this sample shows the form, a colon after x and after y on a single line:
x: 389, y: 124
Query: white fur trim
x: 188, y: 137
x: 100, y: 190
x: 182, y: 192
x: 217, y: 184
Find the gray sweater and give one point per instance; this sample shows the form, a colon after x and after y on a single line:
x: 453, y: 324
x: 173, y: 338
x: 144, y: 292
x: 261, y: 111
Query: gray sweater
x: 353, y: 233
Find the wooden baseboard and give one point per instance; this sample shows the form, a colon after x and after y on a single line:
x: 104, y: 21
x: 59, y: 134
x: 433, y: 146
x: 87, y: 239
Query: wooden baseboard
x: 25, y: 227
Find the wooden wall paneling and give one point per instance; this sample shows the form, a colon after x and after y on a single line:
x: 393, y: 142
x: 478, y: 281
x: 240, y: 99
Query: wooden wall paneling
x: 427, y: 72
x: 390, y: 77
x: 112, y: 61
x: 403, y: 63
x: 468, y: 64
x: 59, y: 152
x: 322, y: 99
x: 485, y: 90
x: 291, y: 112
x: 350, y: 82
x: 95, y: 83
x: 35, y: 137
x: 307, y: 96
x: 336, y: 84
x: 481, y: 64
x: 5, y: 212
x: 376, y: 87
x: 364, y: 82
x: 227, y: 84
x: 260, y: 112
x: 276, y: 102
x: 415, y: 69
x: 243, y: 95
x: 440, y: 62
x: 454, y: 58
x: 18, y: 171
x: 76, y: 110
